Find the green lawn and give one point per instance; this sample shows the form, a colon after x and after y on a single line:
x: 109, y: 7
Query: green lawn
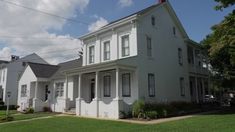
x: 203, y: 123
x: 20, y: 116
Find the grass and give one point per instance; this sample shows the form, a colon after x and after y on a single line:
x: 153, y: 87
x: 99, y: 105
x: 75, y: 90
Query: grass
x: 19, y: 116
x: 217, y: 123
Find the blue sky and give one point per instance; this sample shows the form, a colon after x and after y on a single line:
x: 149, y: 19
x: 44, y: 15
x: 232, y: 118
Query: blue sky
x: 197, y: 16
x: 57, y: 35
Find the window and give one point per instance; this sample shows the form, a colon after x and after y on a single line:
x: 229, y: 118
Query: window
x: 182, y: 87
x: 153, y: 20
x: 59, y: 89
x: 125, y: 46
x: 180, y: 56
x: 107, y: 50
x: 107, y: 86
x: 174, y: 31
x: 149, y: 46
x: 151, y: 85
x: 23, y: 90
x: 91, y: 54
x: 126, y: 85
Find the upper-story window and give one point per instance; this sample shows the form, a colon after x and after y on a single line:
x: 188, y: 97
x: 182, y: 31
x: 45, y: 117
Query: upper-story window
x: 180, y: 56
x: 107, y: 50
x: 153, y: 21
x: 149, y: 46
x: 125, y: 46
x: 91, y: 54
x: 174, y: 31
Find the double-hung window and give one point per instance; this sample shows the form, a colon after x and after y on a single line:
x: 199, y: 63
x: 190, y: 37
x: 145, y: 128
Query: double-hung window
x: 107, y: 86
x: 126, y: 85
x: 59, y: 89
x: 106, y: 50
x: 182, y: 87
x: 149, y: 46
x: 180, y: 56
x: 125, y: 46
x: 151, y: 85
x: 23, y: 90
x: 91, y: 54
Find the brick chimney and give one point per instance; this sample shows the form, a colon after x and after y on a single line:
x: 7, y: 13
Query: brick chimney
x: 162, y: 1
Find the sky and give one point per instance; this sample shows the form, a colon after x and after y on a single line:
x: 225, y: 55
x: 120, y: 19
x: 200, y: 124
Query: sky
x: 54, y: 37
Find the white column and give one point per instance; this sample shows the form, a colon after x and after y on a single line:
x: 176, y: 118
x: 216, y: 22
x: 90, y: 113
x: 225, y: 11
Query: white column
x: 117, y: 83
x: 196, y: 85
x: 66, y: 88
x: 79, y: 86
x: 203, y: 89
x: 96, y: 85
x: 36, y: 90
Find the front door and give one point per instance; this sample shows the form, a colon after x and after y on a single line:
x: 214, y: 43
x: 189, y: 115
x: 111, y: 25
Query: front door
x: 92, y: 89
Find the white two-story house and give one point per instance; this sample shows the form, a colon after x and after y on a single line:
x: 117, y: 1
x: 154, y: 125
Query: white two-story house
x: 9, y: 75
x: 142, y: 56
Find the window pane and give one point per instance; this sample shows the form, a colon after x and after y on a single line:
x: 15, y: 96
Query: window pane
x: 125, y: 45
x: 180, y: 56
x: 126, y: 86
x: 107, y: 86
x: 107, y: 50
x: 151, y: 85
x: 182, y: 87
x: 91, y: 54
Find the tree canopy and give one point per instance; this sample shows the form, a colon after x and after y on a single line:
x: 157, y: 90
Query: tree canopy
x: 220, y: 44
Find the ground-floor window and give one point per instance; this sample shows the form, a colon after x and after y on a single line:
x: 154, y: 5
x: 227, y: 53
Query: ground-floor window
x: 126, y: 85
x: 107, y: 86
x: 59, y: 89
x: 23, y: 90
x: 151, y: 85
x: 182, y: 87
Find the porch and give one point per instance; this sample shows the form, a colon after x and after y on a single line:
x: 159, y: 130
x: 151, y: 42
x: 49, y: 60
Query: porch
x: 104, y: 92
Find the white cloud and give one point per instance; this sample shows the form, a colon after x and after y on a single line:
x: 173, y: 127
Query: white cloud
x: 98, y: 24
x: 17, y: 21
x: 5, y: 53
x: 125, y: 3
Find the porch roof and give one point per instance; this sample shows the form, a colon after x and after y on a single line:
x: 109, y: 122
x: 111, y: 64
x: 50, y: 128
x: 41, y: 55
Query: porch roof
x: 100, y: 66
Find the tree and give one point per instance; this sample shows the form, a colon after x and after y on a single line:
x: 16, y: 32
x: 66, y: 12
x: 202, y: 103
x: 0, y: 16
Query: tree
x: 224, y: 4
x: 220, y: 45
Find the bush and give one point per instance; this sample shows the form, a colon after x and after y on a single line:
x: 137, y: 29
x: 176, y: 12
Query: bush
x: 138, y: 108
x: 47, y: 109
x: 29, y: 110
x: 1, y: 103
x: 151, y: 114
x: 6, y: 118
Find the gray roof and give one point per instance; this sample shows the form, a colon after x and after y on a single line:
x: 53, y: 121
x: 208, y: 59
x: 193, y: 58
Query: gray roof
x: 66, y: 66
x: 43, y: 70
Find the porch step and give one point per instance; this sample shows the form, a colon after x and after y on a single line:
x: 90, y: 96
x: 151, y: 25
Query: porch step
x: 71, y: 111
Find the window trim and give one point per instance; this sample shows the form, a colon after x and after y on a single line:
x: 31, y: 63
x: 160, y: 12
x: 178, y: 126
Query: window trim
x: 124, y: 48
x: 90, y: 56
x: 149, y: 47
x: 180, y: 56
x: 129, y: 85
x: 154, y: 88
x: 109, y: 87
x: 59, y: 89
x: 23, y: 93
x: 105, y: 58
x: 182, y: 87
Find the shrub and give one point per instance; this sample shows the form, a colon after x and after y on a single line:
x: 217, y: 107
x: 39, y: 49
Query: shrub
x: 47, y: 109
x: 7, y: 118
x: 1, y: 103
x: 138, y: 108
x: 151, y: 114
x: 29, y: 110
